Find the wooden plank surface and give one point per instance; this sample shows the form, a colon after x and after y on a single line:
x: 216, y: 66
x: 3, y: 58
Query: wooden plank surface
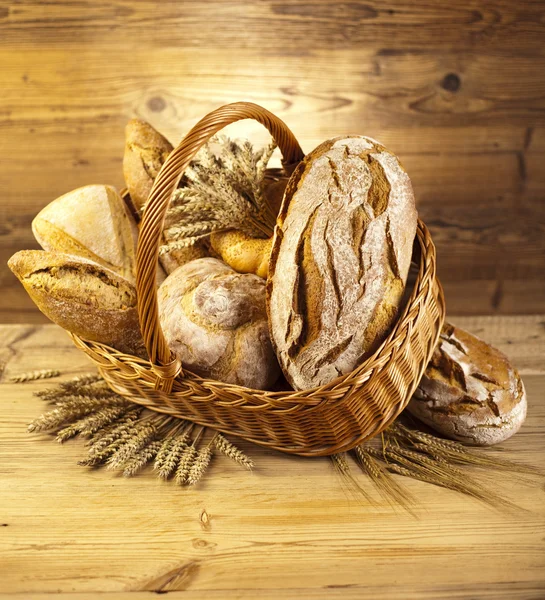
x: 289, y: 529
x: 457, y: 90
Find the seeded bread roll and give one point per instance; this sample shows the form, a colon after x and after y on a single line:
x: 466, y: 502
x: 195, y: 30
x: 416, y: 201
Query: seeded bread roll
x: 470, y: 392
x: 340, y: 258
x: 82, y: 297
x: 215, y: 320
x: 92, y: 222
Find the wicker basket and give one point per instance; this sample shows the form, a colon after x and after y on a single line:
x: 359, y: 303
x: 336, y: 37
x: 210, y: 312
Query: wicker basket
x: 324, y: 420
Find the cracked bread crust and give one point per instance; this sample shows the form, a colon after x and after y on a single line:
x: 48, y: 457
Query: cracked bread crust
x: 215, y: 320
x: 341, y: 254
x: 470, y: 391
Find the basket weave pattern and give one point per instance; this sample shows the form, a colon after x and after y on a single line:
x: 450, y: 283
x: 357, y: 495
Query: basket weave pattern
x: 324, y: 420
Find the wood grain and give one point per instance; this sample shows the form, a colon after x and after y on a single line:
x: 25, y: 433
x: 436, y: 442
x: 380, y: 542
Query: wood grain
x: 456, y: 90
x: 289, y: 529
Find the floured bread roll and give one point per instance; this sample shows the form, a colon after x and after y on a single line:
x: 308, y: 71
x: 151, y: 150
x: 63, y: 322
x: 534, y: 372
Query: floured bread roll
x: 470, y: 391
x: 92, y: 222
x: 340, y: 258
x: 82, y: 297
x: 215, y: 320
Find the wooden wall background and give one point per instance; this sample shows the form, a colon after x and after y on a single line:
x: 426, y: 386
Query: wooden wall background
x: 456, y: 89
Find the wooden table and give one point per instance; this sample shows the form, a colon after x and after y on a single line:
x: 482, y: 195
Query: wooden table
x: 289, y: 529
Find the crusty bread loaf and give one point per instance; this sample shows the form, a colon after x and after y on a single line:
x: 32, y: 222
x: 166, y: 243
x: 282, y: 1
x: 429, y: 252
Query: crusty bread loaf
x: 92, y: 222
x: 341, y: 253
x: 215, y: 320
x: 145, y: 152
x: 470, y: 391
x: 82, y: 297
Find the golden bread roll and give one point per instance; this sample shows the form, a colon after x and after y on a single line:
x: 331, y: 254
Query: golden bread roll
x: 245, y: 254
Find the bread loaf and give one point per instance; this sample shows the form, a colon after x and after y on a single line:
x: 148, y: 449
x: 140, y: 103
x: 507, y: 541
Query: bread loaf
x: 82, y: 297
x: 470, y: 392
x: 215, y: 320
x: 145, y: 152
x: 92, y: 222
x: 340, y: 258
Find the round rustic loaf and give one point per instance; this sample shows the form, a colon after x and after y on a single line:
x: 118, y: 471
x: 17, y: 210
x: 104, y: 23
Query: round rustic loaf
x: 92, y: 222
x: 340, y: 258
x: 470, y: 392
x: 215, y: 320
x: 82, y: 297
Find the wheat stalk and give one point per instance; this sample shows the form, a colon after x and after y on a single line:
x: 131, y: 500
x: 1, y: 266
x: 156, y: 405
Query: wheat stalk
x: 140, y: 437
x: 199, y: 466
x: 117, y: 430
x: 77, y: 383
x: 141, y: 458
x: 92, y: 423
x: 230, y: 450
x: 184, y: 466
x: 386, y: 484
x: 171, y: 451
x: 124, y: 435
x: 220, y: 192
x: 34, y: 375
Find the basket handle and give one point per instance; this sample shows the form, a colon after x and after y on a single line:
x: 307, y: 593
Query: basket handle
x: 164, y: 364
